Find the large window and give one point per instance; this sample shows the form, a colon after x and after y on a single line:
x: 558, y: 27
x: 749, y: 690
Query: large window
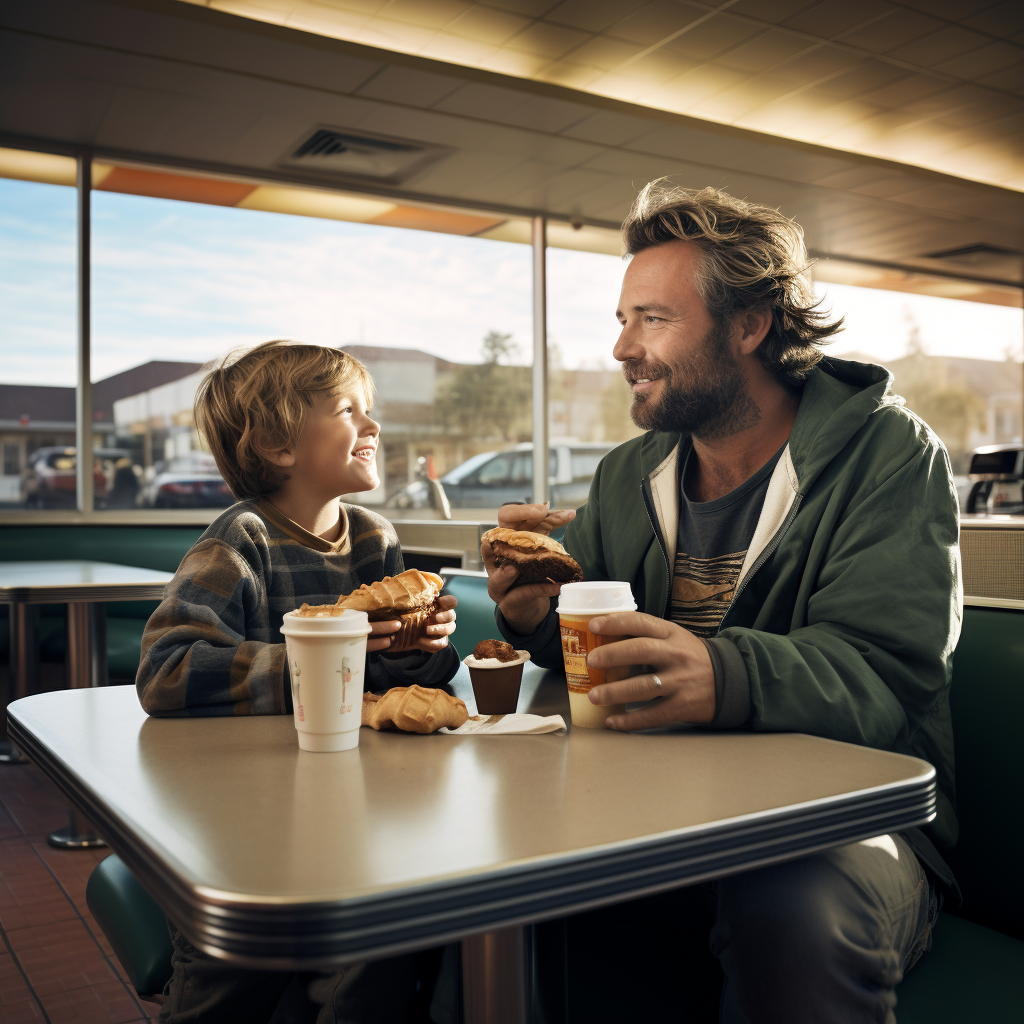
x: 38, y: 329
x: 436, y: 302
x: 441, y: 321
x: 957, y: 362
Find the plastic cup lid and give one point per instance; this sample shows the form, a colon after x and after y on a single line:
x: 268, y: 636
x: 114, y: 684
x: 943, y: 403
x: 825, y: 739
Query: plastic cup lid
x: 350, y: 623
x: 596, y: 597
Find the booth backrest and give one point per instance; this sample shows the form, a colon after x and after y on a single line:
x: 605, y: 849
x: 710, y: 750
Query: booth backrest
x: 987, y: 700
x: 475, y: 611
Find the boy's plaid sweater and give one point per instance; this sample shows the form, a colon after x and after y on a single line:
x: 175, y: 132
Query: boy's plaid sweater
x: 214, y: 645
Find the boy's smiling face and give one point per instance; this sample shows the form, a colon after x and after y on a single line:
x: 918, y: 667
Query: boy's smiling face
x: 337, y: 451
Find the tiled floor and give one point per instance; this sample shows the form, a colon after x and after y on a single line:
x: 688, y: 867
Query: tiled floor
x: 55, y: 963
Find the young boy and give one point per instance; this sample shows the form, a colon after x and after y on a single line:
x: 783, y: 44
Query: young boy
x: 290, y: 429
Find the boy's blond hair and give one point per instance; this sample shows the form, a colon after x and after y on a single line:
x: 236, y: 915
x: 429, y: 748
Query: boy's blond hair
x: 251, y: 405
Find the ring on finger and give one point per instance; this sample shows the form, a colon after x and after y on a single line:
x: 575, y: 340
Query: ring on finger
x: 658, y: 684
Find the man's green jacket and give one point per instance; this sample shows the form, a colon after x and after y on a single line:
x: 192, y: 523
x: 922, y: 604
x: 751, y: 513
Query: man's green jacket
x: 849, y: 602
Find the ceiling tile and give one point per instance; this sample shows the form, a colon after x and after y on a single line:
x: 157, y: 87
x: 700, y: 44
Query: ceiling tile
x: 706, y: 81
x: 1012, y: 79
x: 949, y: 42
x: 951, y: 10
x: 867, y: 77
x: 912, y: 87
x: 609, y: 128
x: 894, y: 29
x: 750, y: 94
x: 655, y: 21
x: 661, y: 66
x: 312, y: 17
x: 541, y: 113
x: 475, y: 99
x: 630, y: 88
x: 773, y: 47
x: 547, y: 40
x: 821, y: 62
x: 984, y: 61
x: 1000, y: 20
x: 434, y: 14
x: 531, y: 8
x: 776, y: 11
x: 592, y: 15
x: 605, y: 53
x: 453, y: 49
x: 564, y: 190
x: 570, y: 74
x: 409, y: 86
x: 517, y: 63
x: 487, y: 26
x: 267, y: 11
x: 831, y: 18
x: 713, y: 36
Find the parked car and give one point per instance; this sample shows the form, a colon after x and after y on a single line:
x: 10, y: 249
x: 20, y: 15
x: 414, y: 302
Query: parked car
x: 48, y: 480
x: 491, y: 479
x: 189, y: 481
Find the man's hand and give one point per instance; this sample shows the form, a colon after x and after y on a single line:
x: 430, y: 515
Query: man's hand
x: 681, y: 662
x: 526, y: 607
x: 439, y: 627
x: 534, y: 518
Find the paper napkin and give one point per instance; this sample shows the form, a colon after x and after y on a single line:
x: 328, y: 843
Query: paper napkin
x: 508, y: 725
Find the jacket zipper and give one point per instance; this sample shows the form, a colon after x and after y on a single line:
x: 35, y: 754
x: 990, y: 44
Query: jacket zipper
x: 661, y: 544
x: 768, y: 551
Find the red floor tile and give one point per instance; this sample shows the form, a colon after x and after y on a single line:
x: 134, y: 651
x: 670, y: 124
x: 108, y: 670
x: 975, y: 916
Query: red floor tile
x: 70, y: 967
x: 17, y: 1005
x: 97, y: 1004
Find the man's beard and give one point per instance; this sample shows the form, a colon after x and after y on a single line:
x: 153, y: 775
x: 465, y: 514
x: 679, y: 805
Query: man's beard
x: 706, y: 395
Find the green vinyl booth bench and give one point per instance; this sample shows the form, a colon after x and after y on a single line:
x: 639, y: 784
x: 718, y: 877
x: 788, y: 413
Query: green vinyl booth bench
x: 151, y: 547
x: 975, y: 971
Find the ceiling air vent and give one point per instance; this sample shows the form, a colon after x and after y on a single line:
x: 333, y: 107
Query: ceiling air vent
x: 375, y: 157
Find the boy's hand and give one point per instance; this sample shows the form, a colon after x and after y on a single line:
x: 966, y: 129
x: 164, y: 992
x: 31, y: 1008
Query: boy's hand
x: 440, y: 626
x: 380, y: 635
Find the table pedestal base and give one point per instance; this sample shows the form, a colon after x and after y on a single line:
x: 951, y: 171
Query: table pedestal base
x: 495, y: 983
x: 72, y: 837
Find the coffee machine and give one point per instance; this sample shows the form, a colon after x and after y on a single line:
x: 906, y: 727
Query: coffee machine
x: 997, y: 479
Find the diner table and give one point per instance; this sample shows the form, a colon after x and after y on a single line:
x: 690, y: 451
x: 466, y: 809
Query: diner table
x: 273, y: 857
x: 85, y: 587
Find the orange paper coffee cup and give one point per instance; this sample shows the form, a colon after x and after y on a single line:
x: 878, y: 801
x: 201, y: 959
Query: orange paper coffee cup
x: 578, y: 603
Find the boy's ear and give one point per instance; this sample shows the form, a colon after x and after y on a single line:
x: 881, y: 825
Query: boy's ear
x: 282, y: 457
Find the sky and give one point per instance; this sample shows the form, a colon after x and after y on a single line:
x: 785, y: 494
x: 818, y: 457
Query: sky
x: 183, y: 281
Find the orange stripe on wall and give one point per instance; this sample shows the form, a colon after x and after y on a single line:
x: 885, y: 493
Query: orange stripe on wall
x: 435, y: 220
x: 175, y: 186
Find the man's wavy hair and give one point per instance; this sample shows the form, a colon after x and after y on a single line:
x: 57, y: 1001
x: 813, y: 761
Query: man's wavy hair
x: 751, y: 257
x: 251, y: 405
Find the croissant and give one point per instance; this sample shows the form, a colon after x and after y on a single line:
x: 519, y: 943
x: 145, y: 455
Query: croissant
x: 537, y: 557
x: 413, y: 709
x: 410, y: 597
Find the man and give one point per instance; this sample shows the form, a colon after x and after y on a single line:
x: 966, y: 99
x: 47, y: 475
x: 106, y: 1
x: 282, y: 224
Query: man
x: 790, y: 533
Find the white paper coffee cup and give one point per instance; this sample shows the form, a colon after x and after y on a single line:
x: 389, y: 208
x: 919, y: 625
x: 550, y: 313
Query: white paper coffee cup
x: 578, y: 603
x: 326, y: 659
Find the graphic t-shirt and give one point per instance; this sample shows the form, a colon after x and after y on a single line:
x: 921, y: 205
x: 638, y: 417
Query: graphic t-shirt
x: 711, y: 544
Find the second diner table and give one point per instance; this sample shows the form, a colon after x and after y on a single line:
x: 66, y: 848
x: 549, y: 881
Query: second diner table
x: 273, y: 857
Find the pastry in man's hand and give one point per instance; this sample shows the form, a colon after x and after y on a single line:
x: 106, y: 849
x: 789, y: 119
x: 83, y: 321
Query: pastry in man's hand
x: 413, y: 709
x: 536, y: 556
x: 410, y: 598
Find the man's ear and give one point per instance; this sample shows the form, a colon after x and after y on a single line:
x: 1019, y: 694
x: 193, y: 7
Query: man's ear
x: 750, y: 328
